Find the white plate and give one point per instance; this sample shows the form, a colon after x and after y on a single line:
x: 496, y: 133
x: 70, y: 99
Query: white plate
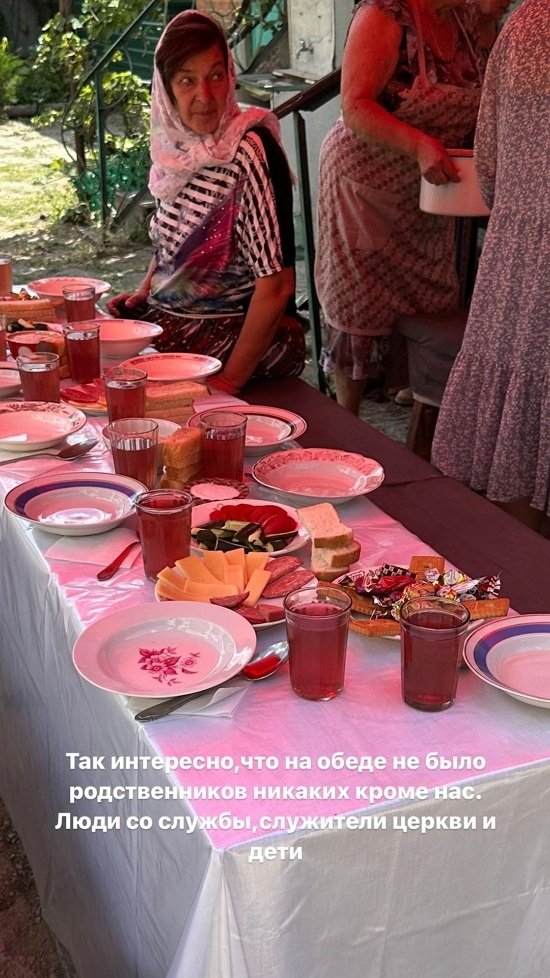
x: 201, y: 514
x: 75, y: 506
x: 164, y: 649
x: 513, y: 654
x: 175, y: 366
x: 266, y: 427
x: 319, y: 474
x: 29, y: 426
x: 10, y: 381
x: 125, y: 337
x: 52, y: 288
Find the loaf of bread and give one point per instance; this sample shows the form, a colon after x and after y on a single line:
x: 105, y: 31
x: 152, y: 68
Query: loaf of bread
x: 31, y: 309
x: 324, y: 526
x: 182, y: 455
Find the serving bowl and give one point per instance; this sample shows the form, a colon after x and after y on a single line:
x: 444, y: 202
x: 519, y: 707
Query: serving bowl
x: 166, y: 428
x: 455, y: 199
x: 52, y: 288
x: 122, y: 338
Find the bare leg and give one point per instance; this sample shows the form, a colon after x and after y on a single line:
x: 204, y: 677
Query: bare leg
x: 521, y: 510
x: 348, y: 392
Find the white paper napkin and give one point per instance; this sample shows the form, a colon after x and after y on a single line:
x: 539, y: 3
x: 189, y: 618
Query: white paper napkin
x: 213, y: 703
x: 99, y: 549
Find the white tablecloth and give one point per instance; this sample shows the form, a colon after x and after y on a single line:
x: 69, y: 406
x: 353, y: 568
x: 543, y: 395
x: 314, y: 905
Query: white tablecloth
x: 204, y: 900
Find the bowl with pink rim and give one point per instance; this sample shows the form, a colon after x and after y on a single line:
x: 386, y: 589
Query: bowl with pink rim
x: 318, y: 474
x: 52, y: 288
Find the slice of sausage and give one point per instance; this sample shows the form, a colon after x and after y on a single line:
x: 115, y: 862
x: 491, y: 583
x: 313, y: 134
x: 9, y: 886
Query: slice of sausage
x: 230, y: 600
x: 287, y: 583
x: 251, y: 614
x: 278, y: 566
x: 271, y: 612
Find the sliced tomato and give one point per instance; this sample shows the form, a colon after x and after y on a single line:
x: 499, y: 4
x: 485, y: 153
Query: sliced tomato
x: 263, y: 513
x: 279, y: 524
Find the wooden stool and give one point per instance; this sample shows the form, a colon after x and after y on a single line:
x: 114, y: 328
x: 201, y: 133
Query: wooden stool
x: 433, y: 341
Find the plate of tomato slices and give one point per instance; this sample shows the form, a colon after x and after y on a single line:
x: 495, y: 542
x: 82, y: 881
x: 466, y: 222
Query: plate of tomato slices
x: 255, y: 525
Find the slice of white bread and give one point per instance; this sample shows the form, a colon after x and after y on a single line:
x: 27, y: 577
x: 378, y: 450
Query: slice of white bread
x: 322, y: 568
x: 338, y: 557
x: 324, y: 526
x: 182, y: 454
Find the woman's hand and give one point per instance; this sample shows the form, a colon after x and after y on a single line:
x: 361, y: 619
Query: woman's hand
x: 126, y: 300
x: 220, y: 384
x: 436, y: 166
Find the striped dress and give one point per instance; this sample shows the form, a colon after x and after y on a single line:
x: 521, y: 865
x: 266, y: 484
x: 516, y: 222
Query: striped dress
x: 230, y: 225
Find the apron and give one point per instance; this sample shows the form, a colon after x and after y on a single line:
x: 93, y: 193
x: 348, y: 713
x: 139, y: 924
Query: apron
x: 386, y: 257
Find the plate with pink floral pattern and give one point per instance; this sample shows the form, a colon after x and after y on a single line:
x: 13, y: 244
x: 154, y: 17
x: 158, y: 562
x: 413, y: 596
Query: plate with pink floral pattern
x: 156, y: 650
x: 324, y: 475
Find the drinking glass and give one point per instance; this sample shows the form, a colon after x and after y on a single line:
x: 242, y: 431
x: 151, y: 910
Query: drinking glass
x: 164, y: 519
x: 82, y: 344
x: 431, y: 629
x: 6, y: 275
x: 3, y: 337
x: 223, y: 440
x: 124, y: 392
x: 79, y: 304
x: 317, y: 629
x: 134, y: 448
x: 39, y: 374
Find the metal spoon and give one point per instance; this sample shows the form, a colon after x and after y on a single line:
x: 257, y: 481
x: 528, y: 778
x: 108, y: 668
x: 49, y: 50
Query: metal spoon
x: 67, y: 454
x: 264, y: 664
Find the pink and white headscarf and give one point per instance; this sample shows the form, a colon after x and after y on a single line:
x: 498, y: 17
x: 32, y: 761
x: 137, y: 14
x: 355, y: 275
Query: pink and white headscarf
x: 177, y: 152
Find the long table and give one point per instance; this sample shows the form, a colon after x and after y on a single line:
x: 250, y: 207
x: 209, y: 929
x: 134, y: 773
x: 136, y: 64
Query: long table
x: 278, y: 852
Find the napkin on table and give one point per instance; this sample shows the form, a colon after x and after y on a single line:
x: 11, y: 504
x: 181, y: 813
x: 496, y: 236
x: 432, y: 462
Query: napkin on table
x: 214, y: 703
x: 98, y: 549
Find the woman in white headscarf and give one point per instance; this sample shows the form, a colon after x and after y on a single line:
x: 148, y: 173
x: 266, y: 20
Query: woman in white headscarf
x: 221, y: 281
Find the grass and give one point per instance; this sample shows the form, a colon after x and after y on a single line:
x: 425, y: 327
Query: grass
x: 31, y: 194
x: 33, y: 201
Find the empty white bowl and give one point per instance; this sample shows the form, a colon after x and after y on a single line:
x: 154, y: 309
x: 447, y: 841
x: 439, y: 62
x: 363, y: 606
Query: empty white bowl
x: 166, y: 428
x: 455, y: 199
x: 122, y: 338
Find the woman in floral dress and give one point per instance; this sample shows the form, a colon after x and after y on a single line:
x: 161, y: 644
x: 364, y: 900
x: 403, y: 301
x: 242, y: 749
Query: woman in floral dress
x: 493, y: 430
x: 411, y: 81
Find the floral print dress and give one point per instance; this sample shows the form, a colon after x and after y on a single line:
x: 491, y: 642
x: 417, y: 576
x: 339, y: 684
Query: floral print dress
x: 378, y: 255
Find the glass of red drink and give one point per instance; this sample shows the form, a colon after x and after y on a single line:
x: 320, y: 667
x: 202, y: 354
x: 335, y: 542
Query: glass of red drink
x: 6, y: 275
x: 79, y: 304
x: 124, y: 392
x: 223, y: 439
x: 164, y: 518
x: 82, y: 344
x: 317, y: 629
x: 134, y: 448
x: 39, y: 374
x: 431, y: 631
x: 3, y: 338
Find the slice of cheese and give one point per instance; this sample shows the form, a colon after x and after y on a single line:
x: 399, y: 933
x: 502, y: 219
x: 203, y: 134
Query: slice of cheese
x: 235, y: 558
x: 235, y: 575
x: 195, y: 569
x: 256, y: 583
x: 203, y: 592
x: 255, y: 561
x: 216, y: 563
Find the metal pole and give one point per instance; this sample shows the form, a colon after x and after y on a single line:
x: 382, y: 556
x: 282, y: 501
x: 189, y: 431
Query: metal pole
x: 100, y: 122
x: 309, y: 243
